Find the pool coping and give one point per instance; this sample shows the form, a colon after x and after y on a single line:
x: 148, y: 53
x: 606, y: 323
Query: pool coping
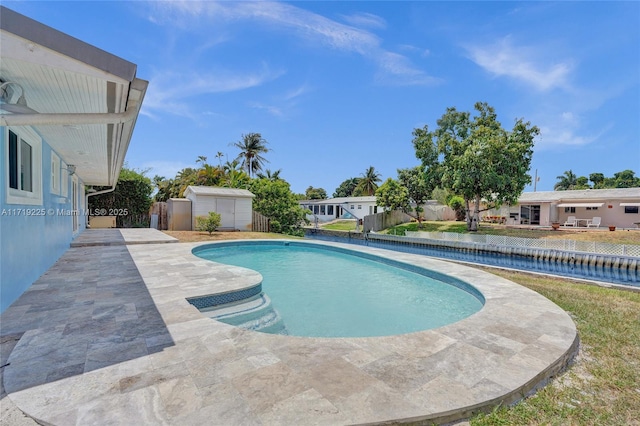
x: 516, y: 343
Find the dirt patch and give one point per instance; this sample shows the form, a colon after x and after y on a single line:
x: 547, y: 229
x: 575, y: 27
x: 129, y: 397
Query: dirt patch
x: 196, y: 236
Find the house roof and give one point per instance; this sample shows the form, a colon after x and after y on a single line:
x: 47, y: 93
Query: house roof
x: 342, y: 200
x: 581, y: 195
x: 219, y: 192
x: 86, y: 100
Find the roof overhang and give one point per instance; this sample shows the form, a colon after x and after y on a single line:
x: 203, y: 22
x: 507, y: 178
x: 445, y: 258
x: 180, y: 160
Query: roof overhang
x: 629, y: 204
x: 580, y: 205
x: 86, y: 100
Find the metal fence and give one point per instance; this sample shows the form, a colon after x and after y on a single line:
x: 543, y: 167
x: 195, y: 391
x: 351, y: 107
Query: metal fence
x: 500, y: 240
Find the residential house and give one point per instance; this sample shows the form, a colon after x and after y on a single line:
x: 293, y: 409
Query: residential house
x: 66, y: 119
x: 616, y: 207
x: 340, y: 208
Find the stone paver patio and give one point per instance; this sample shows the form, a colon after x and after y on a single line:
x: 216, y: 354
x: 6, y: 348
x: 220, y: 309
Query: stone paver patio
x: 107, y: 337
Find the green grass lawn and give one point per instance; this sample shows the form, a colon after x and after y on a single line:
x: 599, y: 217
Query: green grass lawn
x: 341, y: 225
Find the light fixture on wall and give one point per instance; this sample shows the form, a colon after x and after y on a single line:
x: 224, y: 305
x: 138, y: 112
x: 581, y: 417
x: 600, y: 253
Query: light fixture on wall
x: 71, y: 169
x: 8, y: 93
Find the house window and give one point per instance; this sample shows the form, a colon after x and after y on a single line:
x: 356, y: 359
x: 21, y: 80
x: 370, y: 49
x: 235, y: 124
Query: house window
x: 351, y: 206
x: 631, y: 209
x: 322, y: 210
x: 64, y: 180
x: 359, y: 206
x: 330, y: 210
x: 592, y: 208
x: 24, y: 164
x: 569, y: 209
x: 55, y: 173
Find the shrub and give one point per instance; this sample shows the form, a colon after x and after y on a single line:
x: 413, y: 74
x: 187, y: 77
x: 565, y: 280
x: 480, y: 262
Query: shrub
x: 208, y: 223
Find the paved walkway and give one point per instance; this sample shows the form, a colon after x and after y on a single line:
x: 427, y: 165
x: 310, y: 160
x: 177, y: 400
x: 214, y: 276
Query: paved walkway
x: 107, y: 337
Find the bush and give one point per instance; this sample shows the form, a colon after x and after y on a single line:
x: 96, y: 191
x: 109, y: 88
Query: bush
x: 458, y: 205
x: 208, y: 223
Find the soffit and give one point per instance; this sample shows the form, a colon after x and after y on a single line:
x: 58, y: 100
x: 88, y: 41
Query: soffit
x: 56, y: 83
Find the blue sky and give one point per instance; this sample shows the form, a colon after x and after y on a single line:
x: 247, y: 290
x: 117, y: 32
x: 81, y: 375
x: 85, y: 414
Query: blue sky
x: 336, y: 87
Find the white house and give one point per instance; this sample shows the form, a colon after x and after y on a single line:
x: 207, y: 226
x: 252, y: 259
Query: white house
x: 341, y: 207
x: 67, y: 114
x: 235, y: 206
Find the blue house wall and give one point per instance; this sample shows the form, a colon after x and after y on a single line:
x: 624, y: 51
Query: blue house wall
x: 33, y: 237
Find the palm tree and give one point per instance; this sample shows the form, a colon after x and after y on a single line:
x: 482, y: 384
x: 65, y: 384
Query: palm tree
x: 251, y: 146
x: 368, y: 183
x: 234, y: 176
x: 268, y: 174
x: 567, y: 181
x: 219, y: 156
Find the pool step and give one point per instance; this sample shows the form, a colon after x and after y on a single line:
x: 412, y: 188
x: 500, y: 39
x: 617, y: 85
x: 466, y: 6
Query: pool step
x: 255, y: 313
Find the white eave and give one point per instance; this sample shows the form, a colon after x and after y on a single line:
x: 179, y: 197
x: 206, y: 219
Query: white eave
x: 87, y: 100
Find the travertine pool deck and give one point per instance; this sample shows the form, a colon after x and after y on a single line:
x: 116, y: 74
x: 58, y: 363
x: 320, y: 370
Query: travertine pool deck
x: 107, y: 337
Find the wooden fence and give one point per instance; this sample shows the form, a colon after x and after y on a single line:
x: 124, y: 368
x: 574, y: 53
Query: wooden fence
x: 159, y: 209
x: 378, y: 221
x: 259, y: 223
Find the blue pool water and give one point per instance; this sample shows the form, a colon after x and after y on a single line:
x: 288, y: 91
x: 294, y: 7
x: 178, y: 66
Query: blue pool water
x: 314, y: 291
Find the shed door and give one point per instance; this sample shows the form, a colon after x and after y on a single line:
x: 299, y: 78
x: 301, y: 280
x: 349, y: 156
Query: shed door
x: 227, y: 210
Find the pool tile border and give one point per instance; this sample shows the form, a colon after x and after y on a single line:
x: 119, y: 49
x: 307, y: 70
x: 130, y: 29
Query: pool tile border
x: 207, y: 369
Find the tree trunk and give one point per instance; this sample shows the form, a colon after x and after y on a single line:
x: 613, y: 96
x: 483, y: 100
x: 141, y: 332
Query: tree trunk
x: 476, y: 215
x: 468, y: 215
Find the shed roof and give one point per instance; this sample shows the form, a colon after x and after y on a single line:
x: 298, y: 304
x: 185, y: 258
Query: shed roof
x: 220, y: 192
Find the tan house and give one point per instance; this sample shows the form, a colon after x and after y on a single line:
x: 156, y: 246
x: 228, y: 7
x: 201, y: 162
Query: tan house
x: 615, y: 207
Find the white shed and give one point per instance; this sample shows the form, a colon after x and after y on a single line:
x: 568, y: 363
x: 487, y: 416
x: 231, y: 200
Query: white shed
x: 235, y: 206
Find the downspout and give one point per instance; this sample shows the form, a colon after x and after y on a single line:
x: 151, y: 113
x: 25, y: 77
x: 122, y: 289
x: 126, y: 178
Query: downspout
x: 89, y: 194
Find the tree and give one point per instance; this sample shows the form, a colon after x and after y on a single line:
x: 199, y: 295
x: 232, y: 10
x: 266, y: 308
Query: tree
x: 418, y: 187
x: 427, y: 153
x: 274, y: 199
x: 346, y: 188
x: 582, y: 183
x: 481, y: 161
x: 566, y: 181
x: 368, y: 183
x: 393, y: 196
x: 251, y: 147
x: 457, y: 205
x: 208, y: 223
x: 131, y: 199
x: 441, y: 195
x: 315, y: 193
x: 268, y: 174
x: 597, y: 179
x: 626, y: 179
x: 234, y: 176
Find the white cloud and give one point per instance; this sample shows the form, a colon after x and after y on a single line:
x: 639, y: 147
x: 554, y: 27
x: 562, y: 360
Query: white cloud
x: 395, y: 68
x: 281, y: 106
x: 565, y: 129
x: 170, y: 91
x: 271, y: 109
x: 365, y: 20
x: 522, y: 63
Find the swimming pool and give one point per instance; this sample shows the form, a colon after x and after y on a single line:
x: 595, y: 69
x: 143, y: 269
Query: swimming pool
x: 315, y: 291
